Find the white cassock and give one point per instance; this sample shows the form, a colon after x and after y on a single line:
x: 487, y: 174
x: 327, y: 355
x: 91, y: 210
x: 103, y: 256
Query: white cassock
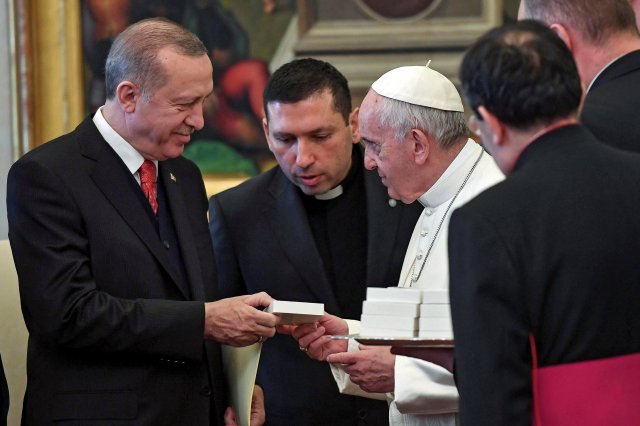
x: 425, y: 393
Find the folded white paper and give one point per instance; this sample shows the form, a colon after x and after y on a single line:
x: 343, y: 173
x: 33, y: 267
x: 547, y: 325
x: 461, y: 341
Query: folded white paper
x: 241, y: 368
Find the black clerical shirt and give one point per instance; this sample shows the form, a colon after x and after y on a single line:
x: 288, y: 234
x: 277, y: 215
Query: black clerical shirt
x: 339, y: 227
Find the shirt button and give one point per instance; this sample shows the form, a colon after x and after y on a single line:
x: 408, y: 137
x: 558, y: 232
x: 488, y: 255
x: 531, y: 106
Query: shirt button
x: 205, y: 390
x: 423, y: 234
x: 428, y: 212
x: 362, y: 414
x: 166, y: 244
x: 392, y: 202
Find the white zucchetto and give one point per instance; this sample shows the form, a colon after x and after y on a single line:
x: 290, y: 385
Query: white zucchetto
x: 419, y: 85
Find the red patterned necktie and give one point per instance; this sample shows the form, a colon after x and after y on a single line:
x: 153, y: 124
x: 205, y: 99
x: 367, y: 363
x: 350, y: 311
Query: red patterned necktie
x: 148, y: 183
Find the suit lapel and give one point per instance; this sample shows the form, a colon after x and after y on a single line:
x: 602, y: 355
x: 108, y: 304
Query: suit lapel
x: 383, y: 222
x: 183, y: 229
x: 118, y: 186
x: 289, y: 219
x: 624, y: 65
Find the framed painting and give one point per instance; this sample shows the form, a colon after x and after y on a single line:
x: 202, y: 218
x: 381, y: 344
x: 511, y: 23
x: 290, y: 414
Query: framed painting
x: 366, y: 38
x: 61, y: 44
x: 60, y: 48
x: 231, y: 146
x: 380, y: 25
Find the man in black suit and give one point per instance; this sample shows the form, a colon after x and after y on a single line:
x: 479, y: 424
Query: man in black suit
x: 318, y: 228
x: 118, y: 281
x: 545, y: 271
x: 603, y: 38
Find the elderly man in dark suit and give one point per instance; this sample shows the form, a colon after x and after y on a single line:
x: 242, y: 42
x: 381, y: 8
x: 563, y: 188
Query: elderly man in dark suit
x: 604, y: 40
x: 544, y: 266
x: 318, y: 228
x: 109, y: 234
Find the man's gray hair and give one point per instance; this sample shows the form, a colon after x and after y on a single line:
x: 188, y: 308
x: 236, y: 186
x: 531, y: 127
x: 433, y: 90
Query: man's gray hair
x: 596, y: 20
x: 446, y: 127
x: 133, y: 55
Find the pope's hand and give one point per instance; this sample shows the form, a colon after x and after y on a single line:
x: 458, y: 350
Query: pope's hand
x: 371, y: 368
x: 314, y: 339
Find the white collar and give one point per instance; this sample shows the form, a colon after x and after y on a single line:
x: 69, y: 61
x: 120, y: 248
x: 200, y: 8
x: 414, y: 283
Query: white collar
x: 129, y: 155
x: 446, y: 186
x: 330, y: 194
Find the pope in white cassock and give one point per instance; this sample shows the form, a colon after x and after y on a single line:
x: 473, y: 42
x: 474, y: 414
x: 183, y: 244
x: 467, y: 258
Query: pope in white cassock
x: 413, y: 127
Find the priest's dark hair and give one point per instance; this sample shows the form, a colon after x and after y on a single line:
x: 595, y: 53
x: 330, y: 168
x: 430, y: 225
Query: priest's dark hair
x: 302, y: 78
x: 523, y: 73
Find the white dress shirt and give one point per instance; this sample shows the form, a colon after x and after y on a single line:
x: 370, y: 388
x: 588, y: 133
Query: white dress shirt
x: 129, y: 155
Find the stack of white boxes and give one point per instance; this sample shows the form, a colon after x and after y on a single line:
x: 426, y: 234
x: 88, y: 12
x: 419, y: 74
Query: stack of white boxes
x: 390, y: 312
x: 406, y: 312
x: 435, y: 315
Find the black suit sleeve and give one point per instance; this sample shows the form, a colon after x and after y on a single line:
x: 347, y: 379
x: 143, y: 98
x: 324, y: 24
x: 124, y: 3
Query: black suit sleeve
x: 4, y: 396
x: 492, y: 355
x: 61, y: 300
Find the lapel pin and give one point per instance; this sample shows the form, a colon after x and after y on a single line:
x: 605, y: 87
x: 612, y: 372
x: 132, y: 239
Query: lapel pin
x: 173, y: 178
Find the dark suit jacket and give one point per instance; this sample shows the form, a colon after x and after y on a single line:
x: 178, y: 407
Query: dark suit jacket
x: 263, y: 242
x: 612, y: 107
x: 552, y: 250
x: 4, y: 396
x: 112, y: 336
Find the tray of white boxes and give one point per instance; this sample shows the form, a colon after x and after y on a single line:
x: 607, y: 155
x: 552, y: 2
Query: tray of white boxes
x: 409, y: 317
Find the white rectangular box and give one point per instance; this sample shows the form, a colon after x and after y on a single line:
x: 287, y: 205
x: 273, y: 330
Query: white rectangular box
x: 394, y: 309
x: 435, y: 310
x: 435, y: 296
x: 435, y: 324
x: 383, y: 332
x: 435, y: 334
x: 296, y: 312
x: 388, y: 322
x: 394, y: 294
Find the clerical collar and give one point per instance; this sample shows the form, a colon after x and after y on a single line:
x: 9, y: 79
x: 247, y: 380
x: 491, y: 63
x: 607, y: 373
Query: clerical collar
x: 447, y: 185
x: 330, y: 194
x: 356, y: 165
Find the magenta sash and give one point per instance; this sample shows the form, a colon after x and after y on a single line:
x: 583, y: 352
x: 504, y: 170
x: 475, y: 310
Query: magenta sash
x: 589, y: 393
